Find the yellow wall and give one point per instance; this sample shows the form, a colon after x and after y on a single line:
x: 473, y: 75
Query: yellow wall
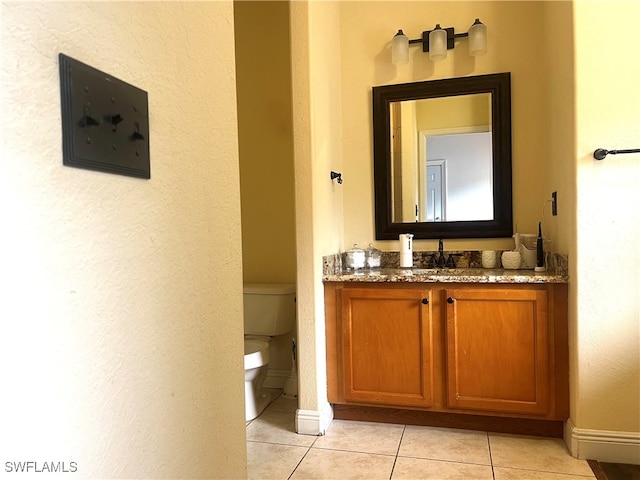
x: 315, y: 43
x: 450, y: 112
x: 121, y: 312
x: 409, y: 160
x: 559, y: 151
x: 265, y: 138
x: 263, y: 63
x: 366, y: 32
x: 606, y: 289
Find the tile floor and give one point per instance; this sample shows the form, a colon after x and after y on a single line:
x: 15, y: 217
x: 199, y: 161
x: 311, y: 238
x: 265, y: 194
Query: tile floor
x: 362, y: 450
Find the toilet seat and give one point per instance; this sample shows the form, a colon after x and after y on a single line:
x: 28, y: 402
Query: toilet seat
x: 256, y: 354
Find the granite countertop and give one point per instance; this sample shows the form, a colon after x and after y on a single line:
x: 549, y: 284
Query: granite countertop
x: 445, y: 275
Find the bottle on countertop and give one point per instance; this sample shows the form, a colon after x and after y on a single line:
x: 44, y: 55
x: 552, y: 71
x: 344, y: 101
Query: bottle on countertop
x: 540, y: 267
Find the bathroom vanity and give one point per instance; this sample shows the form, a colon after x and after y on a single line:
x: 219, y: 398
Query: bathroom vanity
x: 468, y: 348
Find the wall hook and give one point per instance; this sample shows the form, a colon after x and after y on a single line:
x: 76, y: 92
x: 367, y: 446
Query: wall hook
x: 337, y: 175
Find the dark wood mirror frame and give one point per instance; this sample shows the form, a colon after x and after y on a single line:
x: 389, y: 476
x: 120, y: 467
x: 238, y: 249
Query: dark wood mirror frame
x: 499, y: 85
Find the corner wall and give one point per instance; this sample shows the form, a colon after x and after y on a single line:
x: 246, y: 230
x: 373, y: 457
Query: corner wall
x: 315, y: 42
x: 605, y: 296
x: 121, y: 332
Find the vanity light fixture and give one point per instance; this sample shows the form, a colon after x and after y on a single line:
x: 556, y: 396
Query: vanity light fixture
x: 438, y: 41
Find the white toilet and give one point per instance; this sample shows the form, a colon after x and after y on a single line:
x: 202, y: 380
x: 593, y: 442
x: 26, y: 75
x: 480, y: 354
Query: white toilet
x: 269, y: 310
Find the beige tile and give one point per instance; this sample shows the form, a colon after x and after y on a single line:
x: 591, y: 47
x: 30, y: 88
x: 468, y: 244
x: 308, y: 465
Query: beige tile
x: 453, y: 445
x: 277, y: 427
x: 420, y: 468
x: 535, y: 453
x: 272, y: 461
x: 365, y: 437
x: 517, y: 474
x: 334, y: 464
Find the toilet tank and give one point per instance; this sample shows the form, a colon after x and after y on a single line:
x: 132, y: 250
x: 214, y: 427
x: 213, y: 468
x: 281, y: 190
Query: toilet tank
x: 269, y: 308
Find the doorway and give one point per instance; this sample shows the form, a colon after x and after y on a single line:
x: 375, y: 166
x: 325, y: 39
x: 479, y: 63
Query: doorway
x: 435, y: 200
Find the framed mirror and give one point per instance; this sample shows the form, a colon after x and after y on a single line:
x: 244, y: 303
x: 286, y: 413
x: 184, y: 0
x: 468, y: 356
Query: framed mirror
x: 442, y: 158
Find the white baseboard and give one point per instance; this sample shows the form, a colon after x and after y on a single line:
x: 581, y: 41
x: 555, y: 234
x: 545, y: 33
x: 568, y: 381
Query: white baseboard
x: 276, y: 378
x: 313, y: 422
x: 602, y: 445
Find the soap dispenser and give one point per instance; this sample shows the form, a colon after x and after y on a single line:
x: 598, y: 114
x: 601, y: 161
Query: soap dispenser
x: 406, y: 250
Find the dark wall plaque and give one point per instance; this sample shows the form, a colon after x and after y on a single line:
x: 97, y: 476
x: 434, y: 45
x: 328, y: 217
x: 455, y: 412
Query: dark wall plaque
x: 105, y: 121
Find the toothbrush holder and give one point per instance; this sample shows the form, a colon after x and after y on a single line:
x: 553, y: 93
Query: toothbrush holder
x: 511, y: 260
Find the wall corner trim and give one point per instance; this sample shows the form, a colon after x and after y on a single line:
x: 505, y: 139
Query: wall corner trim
x: 602, y: 445
x: 314, y: 422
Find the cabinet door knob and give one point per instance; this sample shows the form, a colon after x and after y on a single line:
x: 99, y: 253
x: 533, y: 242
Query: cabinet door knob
x: 425, y: 301
x: 450, y: 300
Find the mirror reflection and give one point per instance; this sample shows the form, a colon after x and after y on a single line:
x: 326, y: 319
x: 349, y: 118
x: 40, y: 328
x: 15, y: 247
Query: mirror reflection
x: 441, y: 157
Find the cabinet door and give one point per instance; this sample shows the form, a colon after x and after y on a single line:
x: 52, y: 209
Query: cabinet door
x: 387, y: 346
x: 497, y: 350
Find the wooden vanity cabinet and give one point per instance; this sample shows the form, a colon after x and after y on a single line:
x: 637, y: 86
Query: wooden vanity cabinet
x: 483, y: 349
x: 498, y: 350
x: 386, y: 346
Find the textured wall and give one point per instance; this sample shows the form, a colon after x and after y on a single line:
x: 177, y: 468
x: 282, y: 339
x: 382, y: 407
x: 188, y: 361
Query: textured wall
x: 317, y: 139
x: 606, y: 372
x: 121, y: 333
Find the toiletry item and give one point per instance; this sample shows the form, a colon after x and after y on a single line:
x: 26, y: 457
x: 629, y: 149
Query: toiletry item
x: 406, y: 250
x: 528, y: 250
x: 511, y: 260
x: 540, y: 251
x: 354, y: 258
x: 373, y: 257
x: 489, y: 258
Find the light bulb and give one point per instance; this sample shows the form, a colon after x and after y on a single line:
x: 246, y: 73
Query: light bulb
x: 438, y: 44
x: 400, y: 48
x: 477, y: 39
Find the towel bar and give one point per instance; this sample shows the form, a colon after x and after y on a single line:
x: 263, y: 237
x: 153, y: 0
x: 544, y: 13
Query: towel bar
x: 601, y: 153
